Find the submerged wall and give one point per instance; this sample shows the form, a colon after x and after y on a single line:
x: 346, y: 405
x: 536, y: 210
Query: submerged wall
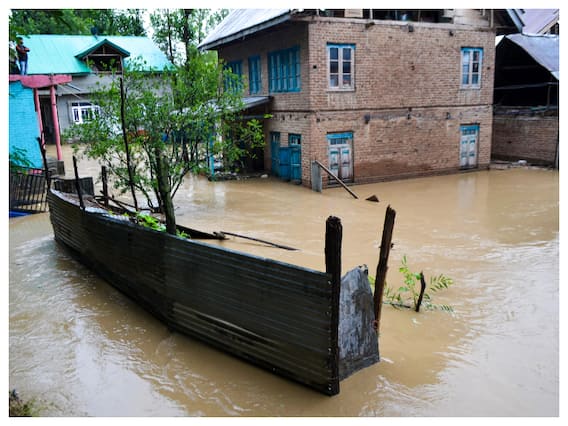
x: 533, y: 138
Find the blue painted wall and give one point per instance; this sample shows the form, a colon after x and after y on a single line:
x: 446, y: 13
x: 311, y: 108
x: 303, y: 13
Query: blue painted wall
x: 24, y: 128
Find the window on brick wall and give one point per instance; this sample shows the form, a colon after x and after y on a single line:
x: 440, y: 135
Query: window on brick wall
x: 471, y: 62
x: 294, y: 139
x: 284, y: 70
x: 234, y: 82
x: 341, y: 66
x: 255, y: 82
x: 81, y: 112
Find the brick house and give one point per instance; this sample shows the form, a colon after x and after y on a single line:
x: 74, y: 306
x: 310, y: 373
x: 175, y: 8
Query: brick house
x: 371, y: 94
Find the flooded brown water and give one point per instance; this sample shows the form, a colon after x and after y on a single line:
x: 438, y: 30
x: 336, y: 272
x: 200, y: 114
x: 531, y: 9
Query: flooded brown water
x: 82, y: 348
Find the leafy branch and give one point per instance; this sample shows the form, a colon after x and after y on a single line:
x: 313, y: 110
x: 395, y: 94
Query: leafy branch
x: 409, y: 294
x: 19, y: 161
x: 151, y: 222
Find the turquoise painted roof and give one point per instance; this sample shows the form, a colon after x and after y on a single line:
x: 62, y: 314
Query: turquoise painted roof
x: 58, y: 54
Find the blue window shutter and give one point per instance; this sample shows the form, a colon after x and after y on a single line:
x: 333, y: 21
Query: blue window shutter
x: 284, y: 70
x: 255, y: 81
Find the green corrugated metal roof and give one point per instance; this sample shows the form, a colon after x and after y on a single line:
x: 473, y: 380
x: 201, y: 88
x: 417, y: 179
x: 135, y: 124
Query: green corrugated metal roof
x: 56, y: 54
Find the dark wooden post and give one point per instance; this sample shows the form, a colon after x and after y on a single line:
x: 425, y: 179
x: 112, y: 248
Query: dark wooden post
x: 78, y: 184
x: 422, y: 289
x: 382, y: 266
x: 125, y: 138
x: 333, y: 236
x: 104, y: 178
x: 45, y: 166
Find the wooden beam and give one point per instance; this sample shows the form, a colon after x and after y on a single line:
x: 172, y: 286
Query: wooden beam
x: 333, y: 237
x: 78, y: 184
x: 259, y: 240
x: 382, y: 266
x: 329, y: 172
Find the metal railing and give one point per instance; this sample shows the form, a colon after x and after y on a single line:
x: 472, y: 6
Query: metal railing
x: 28, y: 190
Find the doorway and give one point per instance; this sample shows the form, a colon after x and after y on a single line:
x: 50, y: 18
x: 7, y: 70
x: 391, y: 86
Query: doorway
x: 468, y: 146
x: 340, y: 146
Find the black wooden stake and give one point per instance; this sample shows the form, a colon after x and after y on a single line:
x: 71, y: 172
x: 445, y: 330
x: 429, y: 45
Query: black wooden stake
x: 422, y: 289
x: 104, y: 178
x: 382, y: 266
x: 77, y: 184
x: 45, y: 166
x: 333, y: 236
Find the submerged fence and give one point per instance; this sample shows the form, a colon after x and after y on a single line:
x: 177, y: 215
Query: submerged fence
x: 28, y: 190
x: 279, y: 316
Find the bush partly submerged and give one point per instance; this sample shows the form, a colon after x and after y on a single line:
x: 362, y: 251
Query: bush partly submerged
x: 20, y: 408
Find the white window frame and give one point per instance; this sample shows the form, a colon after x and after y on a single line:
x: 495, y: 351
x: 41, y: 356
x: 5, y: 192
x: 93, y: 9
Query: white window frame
x: 79, y: 110
x: 341, y: 61
x: 468, y: 65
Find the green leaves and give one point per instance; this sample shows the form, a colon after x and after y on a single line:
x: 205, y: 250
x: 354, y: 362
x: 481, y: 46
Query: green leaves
x: 151, y: 222
x: 178, y: 31
x: 127, y: 22
x: 181, y: 113
x: 440, y: 282
x: 406, y: 296
x: 19, y: 161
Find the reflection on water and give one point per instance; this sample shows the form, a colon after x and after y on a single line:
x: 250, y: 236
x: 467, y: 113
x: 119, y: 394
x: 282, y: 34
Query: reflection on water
x: 85, y: 349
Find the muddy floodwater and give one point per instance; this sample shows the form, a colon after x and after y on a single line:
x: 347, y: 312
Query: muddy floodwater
x: 81, y: 348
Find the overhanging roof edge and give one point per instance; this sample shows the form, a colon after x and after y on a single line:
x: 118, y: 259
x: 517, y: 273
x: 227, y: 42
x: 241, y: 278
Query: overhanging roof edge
x: 247, y: 31
x: 543, y: 61
x: 253, y: 101
x: 517, y: 20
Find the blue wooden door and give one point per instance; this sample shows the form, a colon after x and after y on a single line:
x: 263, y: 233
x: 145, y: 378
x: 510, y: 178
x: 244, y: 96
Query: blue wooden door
x: 275, y: 152
x: 340, y: 155
x: 284, y: 162
x: 468, y: 146
x: 296, y: 163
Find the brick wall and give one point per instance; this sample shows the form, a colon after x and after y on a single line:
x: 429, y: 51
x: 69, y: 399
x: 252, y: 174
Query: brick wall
x: 271, y: 40
x: 397, y: 68
x: 528, y: 138
x: 396, y: 143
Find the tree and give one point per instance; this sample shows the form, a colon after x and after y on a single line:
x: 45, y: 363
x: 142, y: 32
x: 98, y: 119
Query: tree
x: 76, y: 21
x: 50, y: 21
x: 125, y: 22
x: 177, y: 30
x: 157, y: 119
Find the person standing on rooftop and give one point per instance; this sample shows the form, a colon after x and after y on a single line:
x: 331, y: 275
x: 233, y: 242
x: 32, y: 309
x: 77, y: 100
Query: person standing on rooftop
x: 22, y: 56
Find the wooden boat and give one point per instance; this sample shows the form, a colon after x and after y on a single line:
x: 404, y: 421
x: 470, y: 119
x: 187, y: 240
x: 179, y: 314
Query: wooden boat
x: 278, y: 316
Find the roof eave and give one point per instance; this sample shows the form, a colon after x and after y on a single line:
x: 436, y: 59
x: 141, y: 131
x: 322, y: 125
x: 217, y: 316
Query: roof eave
x: 246, y: 32
x: 517, y: 21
